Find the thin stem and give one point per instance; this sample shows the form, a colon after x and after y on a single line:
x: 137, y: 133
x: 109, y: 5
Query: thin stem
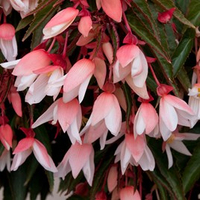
x: 154, y: 75
x: 52, y: 44
x: 65, y: 45
x: 126, y: 22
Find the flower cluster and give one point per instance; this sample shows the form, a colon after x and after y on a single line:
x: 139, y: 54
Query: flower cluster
x: 94, y: 69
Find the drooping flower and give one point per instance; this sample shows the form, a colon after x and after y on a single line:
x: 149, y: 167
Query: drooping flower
x: 71, y: 162
x: 173, y: 111
x: 77, y: 80
x: 112, y: 178
x: 103, y: 118
x: 67, y: 114
x: 60, y: 22
x: 131, y: 66
x: 6, y: 6
x: 28, y: 145
x: 8, y: 43
x: 146, y: 119
x: 134, y: 151
x: 175, y: 142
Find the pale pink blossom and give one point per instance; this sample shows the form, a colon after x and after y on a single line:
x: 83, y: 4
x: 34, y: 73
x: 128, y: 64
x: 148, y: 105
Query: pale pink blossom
x: 67, y: 114
x: 175, y: 142
x: 28, y: 145
x: 60, y: 22
x: 77, y: 80
x: 173, y: 111
x: 131, y: 66
x: 106, y: 115
x: 128, y: 193
x: 134, y: 151
x: 85, y: 25
x: 8, y: 43
x: 31, y: 62
x: 146, y: 119
x: 24, y: 6
x: 5, y: 160
x: 109, y: 6
x: 78, y: 157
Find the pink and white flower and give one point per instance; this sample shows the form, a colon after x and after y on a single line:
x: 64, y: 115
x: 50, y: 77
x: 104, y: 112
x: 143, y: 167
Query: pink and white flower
x: 134, y: 151
x: 8, y: 43
x: 28, y: 145
x: 5, y: 160
x: 71, y: 163
x: 67, y: 114
x: 60, y: 22
x: 106, y: 115
x: 173, y: 111
x: 175, y: 142
x: 6, y: 135
x: 85, y: 25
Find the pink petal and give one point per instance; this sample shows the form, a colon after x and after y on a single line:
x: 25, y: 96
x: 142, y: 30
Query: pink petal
x: 168, y: 114
x: 46, y: 116
x: 178, y: 103
x: 148, y: 110
x: 16, y: 101
x: 42, y: 156
x: 89, y: 168
x: 128, y: 193
x: 140, y: 91
x: 164, y: 130
x: 112, y: 178
x: 169, y: 156
x: 85, y: 25
x: 79, y: 151
x: 67, y: 113
x: 78, y: 73
x: 112, y: 5
x: 180, y: 147
x: 61, y: 21
x: 114, y: 119
x: 6, y: 135
x: 31, y: 60
x: 36, y: 91
x: 164, y: 17
x: 64, y: 167
x: 139, y: 123
x: 20, y: 158
x: 24, y: 145
x: 135, y: 145
x: 127, y: 53
x: 100, y: 71
x: 108, y: 51
x: 100, y: 112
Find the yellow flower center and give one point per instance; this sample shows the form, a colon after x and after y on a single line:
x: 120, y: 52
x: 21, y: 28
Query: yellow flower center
x: 171, y: 138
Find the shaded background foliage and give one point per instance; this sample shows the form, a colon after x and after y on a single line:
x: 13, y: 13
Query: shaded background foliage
x: 174, y: 66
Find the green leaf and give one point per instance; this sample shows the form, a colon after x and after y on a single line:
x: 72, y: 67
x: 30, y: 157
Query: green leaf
x: 183, y: 78
x: 50, y: 179
x: 192, y: 170
x: 168, y: 4
x: 142, y: 31
x: 194, y: 12
x: 42, y: 16
x: 143, y: 8
x: 183, y: 50
x: 24, y: 22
